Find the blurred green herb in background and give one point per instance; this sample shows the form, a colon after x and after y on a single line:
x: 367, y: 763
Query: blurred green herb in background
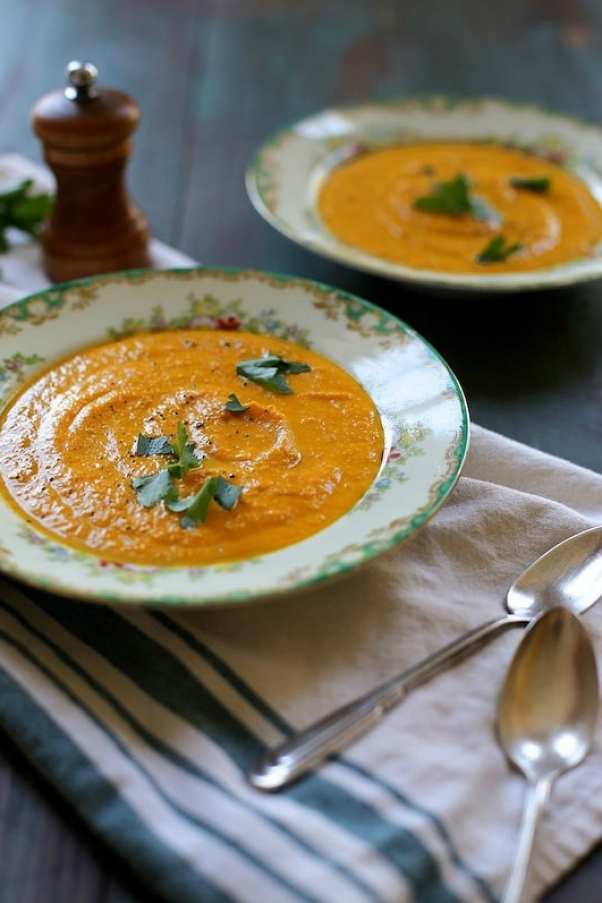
x: 22, y: 209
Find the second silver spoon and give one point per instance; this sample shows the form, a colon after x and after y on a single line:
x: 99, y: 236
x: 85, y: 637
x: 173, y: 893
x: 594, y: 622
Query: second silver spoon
x: 547, y: 717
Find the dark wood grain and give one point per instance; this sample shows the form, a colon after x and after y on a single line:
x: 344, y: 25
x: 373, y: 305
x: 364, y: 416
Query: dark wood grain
x: 214, y: 79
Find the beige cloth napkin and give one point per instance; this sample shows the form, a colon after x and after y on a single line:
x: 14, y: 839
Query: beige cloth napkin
x: 424, y: 807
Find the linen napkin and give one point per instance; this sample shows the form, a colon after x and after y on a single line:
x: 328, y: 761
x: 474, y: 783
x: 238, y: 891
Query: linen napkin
x: 147, y: 720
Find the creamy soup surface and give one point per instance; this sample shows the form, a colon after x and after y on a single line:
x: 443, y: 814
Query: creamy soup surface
x: 71, y: 453
x: 536, y: 213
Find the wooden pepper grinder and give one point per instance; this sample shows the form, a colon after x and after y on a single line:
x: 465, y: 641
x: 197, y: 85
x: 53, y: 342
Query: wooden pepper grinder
x: 86, y: 134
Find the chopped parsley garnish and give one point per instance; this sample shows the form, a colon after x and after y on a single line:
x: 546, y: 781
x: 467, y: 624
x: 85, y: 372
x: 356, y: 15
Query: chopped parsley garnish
x: 195, y: 506
x: 234, y: 405
x: 497, y: 250
x: 150, y: 445
x: 184, y: 451
x: 160, y: 486
x: 270, y: 371
x: 539, y: 184
x: 455, y: 199
x: 154, y: 488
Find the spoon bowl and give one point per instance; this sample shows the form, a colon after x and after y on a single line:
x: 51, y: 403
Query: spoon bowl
x: 547, y: 717
x: 568, y: 575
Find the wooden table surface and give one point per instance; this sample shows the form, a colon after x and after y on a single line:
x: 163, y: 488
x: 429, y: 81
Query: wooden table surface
x: 214, y: 78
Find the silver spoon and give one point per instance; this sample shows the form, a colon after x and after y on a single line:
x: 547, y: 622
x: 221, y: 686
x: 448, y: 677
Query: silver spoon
x: 569, y: 574
x: 547, y: 717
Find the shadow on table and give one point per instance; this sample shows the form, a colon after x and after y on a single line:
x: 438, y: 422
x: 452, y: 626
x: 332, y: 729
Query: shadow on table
x: 499, y: 345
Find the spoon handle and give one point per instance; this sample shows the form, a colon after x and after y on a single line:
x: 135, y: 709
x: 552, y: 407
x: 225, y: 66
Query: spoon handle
x: 537, y: 797
x: 279, y: 766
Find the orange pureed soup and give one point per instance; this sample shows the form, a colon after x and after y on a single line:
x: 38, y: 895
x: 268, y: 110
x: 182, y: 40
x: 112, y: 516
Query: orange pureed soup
x: 528, y: 212
x: 80, y: 444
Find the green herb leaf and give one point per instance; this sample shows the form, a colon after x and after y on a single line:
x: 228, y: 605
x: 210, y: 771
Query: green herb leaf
x: 159, y: 487
x: 497, y: 250
x: 152, y: 489
x: 184, y: 451
x: 234, y: 405
x: 181, y: 448
x: 270, y: 371
x: 455, y: 199
x: 539, y: 184
x: 226, y: 494
x: 152, y: 445
x: 21, y: 209
x: 196, y: 506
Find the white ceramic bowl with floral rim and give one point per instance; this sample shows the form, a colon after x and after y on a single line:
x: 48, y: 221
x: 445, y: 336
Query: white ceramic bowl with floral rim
x: 420, y: 402
x: 284, y: 177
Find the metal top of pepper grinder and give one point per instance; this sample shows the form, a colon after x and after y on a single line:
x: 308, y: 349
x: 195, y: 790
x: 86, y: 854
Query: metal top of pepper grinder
x: 81, y: 81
